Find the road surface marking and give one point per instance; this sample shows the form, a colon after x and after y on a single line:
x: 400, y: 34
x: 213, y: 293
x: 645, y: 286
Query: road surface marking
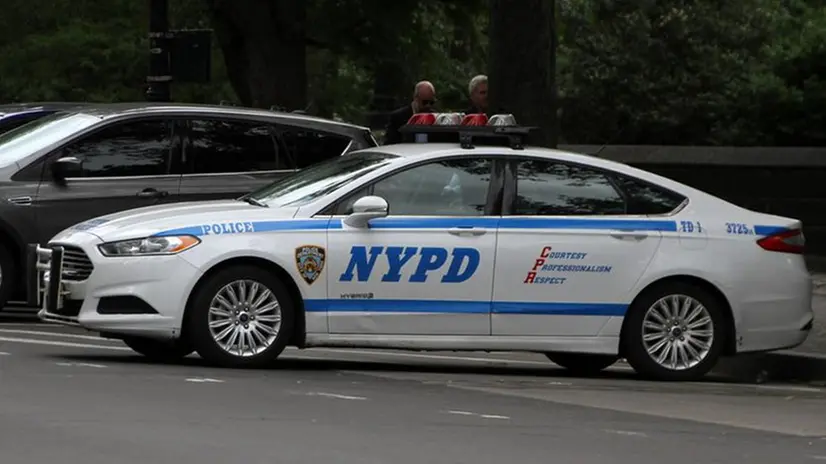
x: 32, y: 341
x: 71, y: 364
x: 3, y: 353
x: 787, y: 387
x: 627, y: 432
x: 54, y: 334
x: 203, y: 380
x: 337, y: 396
x: 484, y: 416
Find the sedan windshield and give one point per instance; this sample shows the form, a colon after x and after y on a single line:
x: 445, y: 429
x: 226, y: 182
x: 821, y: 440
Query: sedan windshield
x: 319, y: 180
x: 40, y: 133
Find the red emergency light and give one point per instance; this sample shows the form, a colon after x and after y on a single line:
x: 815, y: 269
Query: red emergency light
x: 422, y: 119
x: 460, y: 119
x: 478, y: 119
x: 465, y: 129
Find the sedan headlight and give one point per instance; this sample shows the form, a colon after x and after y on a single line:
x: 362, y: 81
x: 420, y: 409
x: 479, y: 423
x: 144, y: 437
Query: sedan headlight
x: 149, y: 246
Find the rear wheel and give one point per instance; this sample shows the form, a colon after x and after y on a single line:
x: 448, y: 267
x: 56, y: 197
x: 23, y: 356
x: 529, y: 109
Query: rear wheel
x: 242, y: 316
x: 159, y: 350
x: 583, y: 363
x: 675, y: 331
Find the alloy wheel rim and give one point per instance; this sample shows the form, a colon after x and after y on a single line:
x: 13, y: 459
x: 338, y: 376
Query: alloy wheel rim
x: 678, y: 332
x: 244, y: 318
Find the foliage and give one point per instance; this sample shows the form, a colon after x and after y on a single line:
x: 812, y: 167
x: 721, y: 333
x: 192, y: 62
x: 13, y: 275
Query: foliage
x: 680, y: 72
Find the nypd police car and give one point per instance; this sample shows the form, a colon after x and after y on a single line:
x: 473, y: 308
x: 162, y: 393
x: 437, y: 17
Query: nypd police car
x: 462, y: 238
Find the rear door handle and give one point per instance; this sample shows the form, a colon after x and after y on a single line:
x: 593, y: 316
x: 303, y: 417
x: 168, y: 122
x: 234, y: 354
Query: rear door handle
x: 475, y: 231
x: 152, y: 193
x: 629, y: 235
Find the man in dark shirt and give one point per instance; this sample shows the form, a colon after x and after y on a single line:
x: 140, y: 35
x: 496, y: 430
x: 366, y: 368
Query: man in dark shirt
x: 424, y: 99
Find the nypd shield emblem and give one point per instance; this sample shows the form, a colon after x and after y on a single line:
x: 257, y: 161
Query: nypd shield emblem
x: 310, y: 261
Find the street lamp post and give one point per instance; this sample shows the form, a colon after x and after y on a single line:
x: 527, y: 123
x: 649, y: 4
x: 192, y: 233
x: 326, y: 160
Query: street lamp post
x: 159, y: 78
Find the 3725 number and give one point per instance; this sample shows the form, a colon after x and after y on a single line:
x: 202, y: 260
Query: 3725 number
x: 736, y: 228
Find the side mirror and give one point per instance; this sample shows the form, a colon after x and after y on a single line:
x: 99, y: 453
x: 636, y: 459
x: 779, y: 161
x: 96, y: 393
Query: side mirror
x: 365, y: 209
x: 68, y: 166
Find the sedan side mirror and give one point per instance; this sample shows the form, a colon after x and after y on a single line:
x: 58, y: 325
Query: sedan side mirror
x: 366, y: 209
x: 68, y: 166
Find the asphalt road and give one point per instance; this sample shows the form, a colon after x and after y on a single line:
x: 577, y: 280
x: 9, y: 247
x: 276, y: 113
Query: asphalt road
x: 68, y: 397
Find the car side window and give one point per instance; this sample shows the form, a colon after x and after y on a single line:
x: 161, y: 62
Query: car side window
x: 308, y: 146
x: 443, y: 188
x: 644, y: 198
x: 137, y: 148
x: 550, y: 188
x: 222, y: 146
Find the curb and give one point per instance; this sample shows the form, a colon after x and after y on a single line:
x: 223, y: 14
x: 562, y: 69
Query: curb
x: 779, y: 366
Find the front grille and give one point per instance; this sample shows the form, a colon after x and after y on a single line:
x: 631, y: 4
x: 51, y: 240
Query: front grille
x: 76, y: 265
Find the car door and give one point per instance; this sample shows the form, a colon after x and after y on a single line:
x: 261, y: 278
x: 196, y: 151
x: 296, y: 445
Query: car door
x: 568, y: 255
x: 426, y: 268
x: 124, y: 165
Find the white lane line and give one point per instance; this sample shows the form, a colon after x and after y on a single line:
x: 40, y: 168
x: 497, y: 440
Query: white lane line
x: 3, y: 353
x: 627, y: 432
x: 203, y: 380
x: 483, y: 416
x: 71, y: 364
x: 32, y: 341
x: 337, y: 396
x: 55, y: 334
x: 788, y: 387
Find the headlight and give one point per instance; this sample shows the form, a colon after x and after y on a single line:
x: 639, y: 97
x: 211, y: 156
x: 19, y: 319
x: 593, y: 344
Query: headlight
x: 149, y: 246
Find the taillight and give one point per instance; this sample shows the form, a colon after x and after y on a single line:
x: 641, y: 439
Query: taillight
x: 788, y: 241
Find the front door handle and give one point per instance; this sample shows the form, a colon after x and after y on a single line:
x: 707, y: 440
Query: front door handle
x: 629, y: 235
x: 475, y: 231
x: 152, y: 193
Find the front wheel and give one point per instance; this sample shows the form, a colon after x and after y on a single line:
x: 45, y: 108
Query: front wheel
x: 159, y: 350
x: 583, y: 363
x: 675, y: 331
x: 242, y: 316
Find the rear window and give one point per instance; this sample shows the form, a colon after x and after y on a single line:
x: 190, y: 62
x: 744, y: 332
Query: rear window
x: 309, y: 146
x: 646, y: 198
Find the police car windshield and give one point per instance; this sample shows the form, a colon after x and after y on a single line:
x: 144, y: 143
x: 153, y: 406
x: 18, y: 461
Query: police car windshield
x: 320, y: 179
x: 22, y: 141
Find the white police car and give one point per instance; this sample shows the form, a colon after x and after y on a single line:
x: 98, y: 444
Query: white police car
x: 469, y: 241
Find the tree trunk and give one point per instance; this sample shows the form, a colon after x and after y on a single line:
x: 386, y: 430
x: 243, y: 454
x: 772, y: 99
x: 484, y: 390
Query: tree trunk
x: 264, y: 45
x: 522, y: 63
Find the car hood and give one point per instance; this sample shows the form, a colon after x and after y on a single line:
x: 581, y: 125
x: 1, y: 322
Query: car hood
x: 197, y: 215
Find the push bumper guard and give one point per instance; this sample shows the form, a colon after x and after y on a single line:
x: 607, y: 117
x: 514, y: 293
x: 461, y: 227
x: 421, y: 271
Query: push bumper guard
x: 45, y: 287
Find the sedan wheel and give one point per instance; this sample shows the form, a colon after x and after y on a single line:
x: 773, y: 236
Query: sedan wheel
x: 244, y: 318
x: 241, y: 316
x: 675, y: 331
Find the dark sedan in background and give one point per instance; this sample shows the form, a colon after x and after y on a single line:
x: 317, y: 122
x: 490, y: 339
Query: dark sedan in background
x: 64, y: 168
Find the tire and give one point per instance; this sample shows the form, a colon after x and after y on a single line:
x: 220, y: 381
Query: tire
x: 640, y: 312
x: 203, y: 338
x: 164, y: 351
x: 583, y: 363
x: 8, y: 276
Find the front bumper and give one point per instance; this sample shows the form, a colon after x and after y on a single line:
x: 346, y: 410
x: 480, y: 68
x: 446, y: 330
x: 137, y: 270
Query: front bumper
x: 142, y: 296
